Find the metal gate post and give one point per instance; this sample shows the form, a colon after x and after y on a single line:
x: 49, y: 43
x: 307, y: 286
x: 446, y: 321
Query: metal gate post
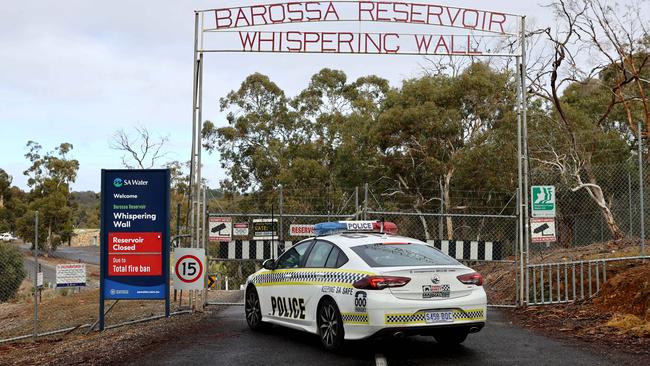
x: 280, y: 226
x: 35, y: 275
x: 642, y: 198
x: 356, y: 203
x: 520, y: 206
x: 365, y: 202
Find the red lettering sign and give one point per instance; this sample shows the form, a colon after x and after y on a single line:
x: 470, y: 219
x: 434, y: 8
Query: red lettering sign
x: 364, y: 11
x: 135, y: 265
x: 135, y: 242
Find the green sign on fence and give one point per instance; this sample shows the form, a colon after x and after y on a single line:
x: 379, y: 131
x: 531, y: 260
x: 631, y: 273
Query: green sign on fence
x: 543, y: 201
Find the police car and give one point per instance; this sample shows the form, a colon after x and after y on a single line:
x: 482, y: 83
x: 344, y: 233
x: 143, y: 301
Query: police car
x: 358, y: 279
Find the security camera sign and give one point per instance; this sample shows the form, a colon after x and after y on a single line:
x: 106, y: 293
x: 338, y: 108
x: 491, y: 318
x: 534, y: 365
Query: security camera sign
x: 542, y: 230
x: 220, y: 228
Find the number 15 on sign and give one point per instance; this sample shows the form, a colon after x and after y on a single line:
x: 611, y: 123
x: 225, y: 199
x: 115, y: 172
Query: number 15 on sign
x: 189, y: 269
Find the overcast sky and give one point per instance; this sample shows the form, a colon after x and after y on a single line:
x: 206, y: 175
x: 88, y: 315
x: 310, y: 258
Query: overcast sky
x: 77, y: 71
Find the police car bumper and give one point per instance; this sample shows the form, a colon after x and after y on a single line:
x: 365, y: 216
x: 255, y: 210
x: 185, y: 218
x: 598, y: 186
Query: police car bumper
x: 387, y: 315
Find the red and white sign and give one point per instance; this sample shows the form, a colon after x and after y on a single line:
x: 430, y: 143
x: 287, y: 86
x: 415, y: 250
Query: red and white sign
x: 134, y: 265
x: 72, y: 274
x: 189, y: 269
x: 542, y: 229
x: 240, y: 229
x: 135, y: 254
x: 301, y: 230
x: 220, y: 228
x: 135, y: 242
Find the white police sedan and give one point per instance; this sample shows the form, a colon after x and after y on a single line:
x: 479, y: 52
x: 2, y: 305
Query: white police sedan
x: 357, y: 279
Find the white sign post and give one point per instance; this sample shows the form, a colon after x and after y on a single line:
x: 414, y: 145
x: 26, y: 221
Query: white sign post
x: 71, y: 275
x: 542, y: 230
x: 220, y: 228
x: 189, y: 268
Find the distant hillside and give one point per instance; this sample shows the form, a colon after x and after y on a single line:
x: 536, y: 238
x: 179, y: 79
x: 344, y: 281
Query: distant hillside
x: 86, y: 214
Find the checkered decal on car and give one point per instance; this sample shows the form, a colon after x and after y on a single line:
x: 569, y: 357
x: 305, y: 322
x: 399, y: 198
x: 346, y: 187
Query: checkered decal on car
x: 404, y: 318
x: 355, y: 318
x: 308, y: 277
x: 418, y: 318
x: 476, y: 314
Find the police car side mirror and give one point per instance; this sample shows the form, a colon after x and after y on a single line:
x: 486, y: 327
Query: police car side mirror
x: 269, y: 264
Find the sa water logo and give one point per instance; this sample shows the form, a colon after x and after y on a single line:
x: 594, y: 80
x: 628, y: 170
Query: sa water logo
x: 118, y: 182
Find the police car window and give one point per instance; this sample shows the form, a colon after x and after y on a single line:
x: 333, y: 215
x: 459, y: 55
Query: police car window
x: 331, y: 260
x: 408, y: 254
x: 318, y: 255
x: 341, y: 260
x: 293, y: 256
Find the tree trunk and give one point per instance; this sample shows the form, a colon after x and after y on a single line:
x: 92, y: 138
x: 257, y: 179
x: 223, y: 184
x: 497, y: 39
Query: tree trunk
x: 596, y: 193
x: 423, y: 221
x: 614, y: 230
x: 46, y: 250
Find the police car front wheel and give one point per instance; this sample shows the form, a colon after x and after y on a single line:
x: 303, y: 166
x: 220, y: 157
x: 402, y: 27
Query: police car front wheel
x: 330, y: 325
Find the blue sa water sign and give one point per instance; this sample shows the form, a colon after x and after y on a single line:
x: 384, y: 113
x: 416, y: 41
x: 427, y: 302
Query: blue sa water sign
x: 135, y: 234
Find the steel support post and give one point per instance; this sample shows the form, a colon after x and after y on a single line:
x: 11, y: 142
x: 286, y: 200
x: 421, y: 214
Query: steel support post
x: 35, y: 334
x: 524, y: 127
x: 520, y: 206
x: 641, y: 195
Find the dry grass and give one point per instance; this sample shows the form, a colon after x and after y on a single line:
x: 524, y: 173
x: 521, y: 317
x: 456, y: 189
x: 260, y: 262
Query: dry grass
x: 630, y: 324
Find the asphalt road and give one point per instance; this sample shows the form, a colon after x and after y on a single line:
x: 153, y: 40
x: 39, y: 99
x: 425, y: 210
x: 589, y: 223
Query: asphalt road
x: 88, y: 254
x: 226, y: 340
x: 49, y: 272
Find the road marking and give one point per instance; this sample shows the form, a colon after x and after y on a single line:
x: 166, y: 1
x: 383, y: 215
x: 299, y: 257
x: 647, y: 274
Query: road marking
x: 380, y: 360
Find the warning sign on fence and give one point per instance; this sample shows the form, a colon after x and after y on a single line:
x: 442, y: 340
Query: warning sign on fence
x: 70, y: 275
x: 542, y: 229
x: 220, y: 228
x: 301, y: 230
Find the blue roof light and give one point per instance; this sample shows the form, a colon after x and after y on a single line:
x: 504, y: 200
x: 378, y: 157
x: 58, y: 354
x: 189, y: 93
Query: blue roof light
x: 334, y: 227
x: 325, y: 228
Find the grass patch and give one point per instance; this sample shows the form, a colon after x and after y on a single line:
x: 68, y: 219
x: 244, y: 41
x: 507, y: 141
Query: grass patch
x: 630, y: 324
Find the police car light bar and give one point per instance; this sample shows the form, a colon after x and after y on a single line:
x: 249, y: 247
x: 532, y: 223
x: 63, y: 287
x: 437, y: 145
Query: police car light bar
x: 328, y: 228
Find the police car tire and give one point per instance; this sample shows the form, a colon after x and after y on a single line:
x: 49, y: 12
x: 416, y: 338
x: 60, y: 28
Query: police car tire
x: 253, y: 310
x: 451, y: 337
x: 330, y: 325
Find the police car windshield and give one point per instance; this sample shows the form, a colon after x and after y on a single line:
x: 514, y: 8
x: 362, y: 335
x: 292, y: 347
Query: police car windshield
x: 402, y: 254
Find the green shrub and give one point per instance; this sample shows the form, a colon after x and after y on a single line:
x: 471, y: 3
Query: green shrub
x: 12, y: 271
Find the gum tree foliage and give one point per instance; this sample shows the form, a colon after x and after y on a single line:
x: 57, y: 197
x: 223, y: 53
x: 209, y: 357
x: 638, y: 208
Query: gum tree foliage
x: 11, y: 203
x: 12, y: 272
x: 438, y: 131
x: 592, y: 106
x: 309, y: 144
x: 49, y: 178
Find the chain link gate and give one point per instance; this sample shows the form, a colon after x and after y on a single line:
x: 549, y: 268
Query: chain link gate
x: 486, y: 243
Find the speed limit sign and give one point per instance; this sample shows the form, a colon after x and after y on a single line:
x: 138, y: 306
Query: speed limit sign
x: 189, y: 269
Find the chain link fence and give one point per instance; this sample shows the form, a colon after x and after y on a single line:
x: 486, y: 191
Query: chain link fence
x: 28, y: 311
x: 602, y: 210
x: 458, y: 221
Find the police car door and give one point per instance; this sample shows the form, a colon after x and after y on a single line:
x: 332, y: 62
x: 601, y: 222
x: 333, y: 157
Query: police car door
x: 286, y: 295
x: 320, y: 277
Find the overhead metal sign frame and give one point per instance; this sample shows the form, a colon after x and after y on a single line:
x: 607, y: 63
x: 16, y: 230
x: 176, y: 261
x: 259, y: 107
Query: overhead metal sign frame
x: 244, y: 29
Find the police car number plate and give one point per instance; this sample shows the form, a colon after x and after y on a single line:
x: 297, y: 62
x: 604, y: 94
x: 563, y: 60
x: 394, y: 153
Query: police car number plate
x: 432, y: 317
